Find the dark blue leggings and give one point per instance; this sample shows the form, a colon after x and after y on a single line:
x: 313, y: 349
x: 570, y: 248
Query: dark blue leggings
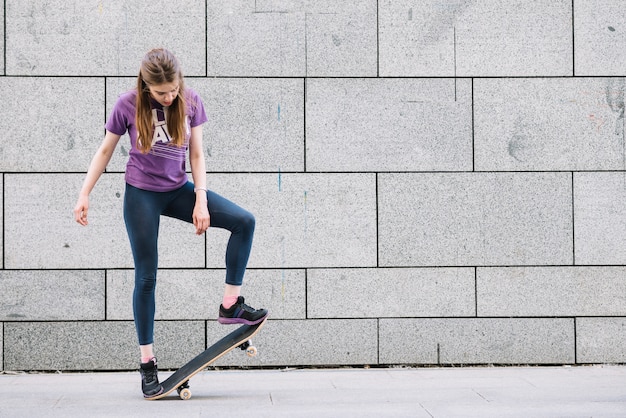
x: 142, y: 213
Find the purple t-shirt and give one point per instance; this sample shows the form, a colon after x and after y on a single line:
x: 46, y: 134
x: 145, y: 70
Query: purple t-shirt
x: 163, y: 168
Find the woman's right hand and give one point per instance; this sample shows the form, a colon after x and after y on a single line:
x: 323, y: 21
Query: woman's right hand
x: 80, y: 210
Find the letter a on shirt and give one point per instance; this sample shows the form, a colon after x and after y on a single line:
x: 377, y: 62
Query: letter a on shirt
x: 161, y: 133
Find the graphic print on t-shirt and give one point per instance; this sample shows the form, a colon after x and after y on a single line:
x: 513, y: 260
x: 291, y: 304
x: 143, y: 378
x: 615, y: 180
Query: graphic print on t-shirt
x: 161, y: 133
x: 161, y: 137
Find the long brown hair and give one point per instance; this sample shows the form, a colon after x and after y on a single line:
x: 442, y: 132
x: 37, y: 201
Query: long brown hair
x: 159, y: 66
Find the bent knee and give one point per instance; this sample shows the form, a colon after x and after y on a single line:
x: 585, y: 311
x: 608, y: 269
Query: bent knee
x: 248, y: 221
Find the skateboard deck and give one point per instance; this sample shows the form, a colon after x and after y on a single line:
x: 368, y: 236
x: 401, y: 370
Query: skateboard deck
x: 241, y: 337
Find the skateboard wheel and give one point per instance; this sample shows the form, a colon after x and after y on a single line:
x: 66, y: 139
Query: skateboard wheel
x: 251, y: 351
x: 184, y: 393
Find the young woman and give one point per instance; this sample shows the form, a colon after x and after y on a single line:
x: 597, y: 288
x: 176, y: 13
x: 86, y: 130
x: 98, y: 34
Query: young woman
x: 163, y: 120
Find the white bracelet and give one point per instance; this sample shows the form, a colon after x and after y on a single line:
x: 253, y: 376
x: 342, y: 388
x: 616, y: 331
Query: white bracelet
x: 195, y: 189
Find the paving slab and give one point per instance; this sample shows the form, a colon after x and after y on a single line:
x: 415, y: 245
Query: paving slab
x: 582, y: 391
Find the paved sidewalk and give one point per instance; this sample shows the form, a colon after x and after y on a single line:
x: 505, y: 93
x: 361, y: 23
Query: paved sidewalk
x: 586, y: 391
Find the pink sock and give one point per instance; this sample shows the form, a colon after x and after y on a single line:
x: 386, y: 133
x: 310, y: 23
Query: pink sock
x: 229, y: 301
x: 147, y: 359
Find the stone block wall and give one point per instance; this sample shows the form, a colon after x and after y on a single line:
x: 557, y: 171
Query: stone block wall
x: 435, y: 182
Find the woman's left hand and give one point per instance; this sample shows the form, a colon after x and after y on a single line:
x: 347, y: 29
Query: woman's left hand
x: 201, y: 217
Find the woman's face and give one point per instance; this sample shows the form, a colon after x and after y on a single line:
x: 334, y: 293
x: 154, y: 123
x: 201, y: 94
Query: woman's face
x: 165, y: 94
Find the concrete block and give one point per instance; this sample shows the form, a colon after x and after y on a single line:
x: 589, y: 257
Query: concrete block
x: 310, y: 342
x: 292, y: 38
x: 398, y: 293
x: 197, y: 294
x: 103, y: 38
x: 59, y: 242
x: 177, y: 342
x: 600, y: 340
x: 341, y: 38
x: 470, y: 39
x: 389, y: 125
x: 549, y: 124
x: 475, y: 219
x: 477, y: 341
x: 181, y: 294
x: 302, y: 220
x: 551, y: 291
x: 51, y: 295
x: 55, y: 123
x: 2, y: 224
x: 254, y: 124
x: 600, y: 218
x: 69, y: 345
x: 244, y: 42
x: 115, y: 86
x: 80, y: 345
x: 2, y: 346
x: 3, y: 38
x: 599, y: 46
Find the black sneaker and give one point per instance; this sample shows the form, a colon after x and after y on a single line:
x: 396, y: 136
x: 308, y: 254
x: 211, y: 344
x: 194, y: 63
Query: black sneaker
x: 149, y: 380
x: 240, y: 313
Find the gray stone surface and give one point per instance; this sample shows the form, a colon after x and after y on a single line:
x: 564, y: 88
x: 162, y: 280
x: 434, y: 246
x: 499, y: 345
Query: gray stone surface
x: 393, y: 292
x: 98, y: 345
x: 51, y: 124
x: 60, y: 242
x: 292, y: 38
x: 457, y: 166
x: 432, y: 392
x: 181, y: 294
x: 115, y: 86
x: 340, y: 38
x: 68, y: 345
x: 37, y: 295
x: 600, y: 340
x: 2, y: 224
x: 103, y: 38
x: 549, y: 124
x: 389, y: 125
x: 2, y: 39
x: 312, y: 342
x: 243, y: 42
x: 175, y: 342
x: 302, y: 220
x: 254, y: 124
x: 600, y: 37
x: 196, y: 294
x: 600, y: 218
x: 551, y: 291
x: 477, y: 341
x: 475, y: 39
x: 479, y: 219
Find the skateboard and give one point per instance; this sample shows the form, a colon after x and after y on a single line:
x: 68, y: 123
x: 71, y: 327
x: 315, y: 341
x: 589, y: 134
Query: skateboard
x: 239, y: 338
